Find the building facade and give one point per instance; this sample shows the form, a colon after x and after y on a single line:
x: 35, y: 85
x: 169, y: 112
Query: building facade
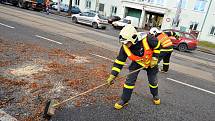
x: 195, y: 16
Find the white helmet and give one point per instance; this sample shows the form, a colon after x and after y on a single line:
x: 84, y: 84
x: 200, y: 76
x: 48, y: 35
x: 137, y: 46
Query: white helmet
x: 154, y: 31
x: 128, y: 34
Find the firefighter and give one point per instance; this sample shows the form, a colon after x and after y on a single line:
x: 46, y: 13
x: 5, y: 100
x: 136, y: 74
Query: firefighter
x: 143, y: 50
x: 166, y: 46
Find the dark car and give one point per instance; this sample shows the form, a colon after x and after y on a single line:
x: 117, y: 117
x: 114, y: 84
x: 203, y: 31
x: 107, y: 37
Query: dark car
x: 113, y: 18
x: 75, y: 10
x: 185, y: 42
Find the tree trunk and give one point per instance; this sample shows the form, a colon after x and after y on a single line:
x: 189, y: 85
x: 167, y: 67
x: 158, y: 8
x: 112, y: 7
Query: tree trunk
x: 70, y: 8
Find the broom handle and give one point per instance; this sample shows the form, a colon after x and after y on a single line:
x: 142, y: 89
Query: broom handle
x: 90, y: 90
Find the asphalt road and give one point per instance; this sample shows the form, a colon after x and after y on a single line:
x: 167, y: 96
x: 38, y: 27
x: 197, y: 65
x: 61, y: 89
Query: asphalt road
x: 187, y: 91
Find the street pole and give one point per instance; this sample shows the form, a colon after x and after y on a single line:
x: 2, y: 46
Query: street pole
x: 70, y: 8
x: 177, y: 15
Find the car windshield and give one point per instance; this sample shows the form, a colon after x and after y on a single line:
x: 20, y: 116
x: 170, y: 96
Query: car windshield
x: 102, y: 16
x: 188, y: 36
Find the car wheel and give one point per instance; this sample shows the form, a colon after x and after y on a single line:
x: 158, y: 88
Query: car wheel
x: 95, y: 25
x: 21, y: 4
x: 74, y: 20
x: 182, y: 47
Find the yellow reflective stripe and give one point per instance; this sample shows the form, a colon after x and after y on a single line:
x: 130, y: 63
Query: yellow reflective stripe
x: 127, y: 51
x: 167, y: 44
x: 116, y: 69
x: 167, y: 41
x: 158, y: 45
x: 166, y: 49
x: 145, y: 44
x: 165, y: 63
x: 156, y: 51
x: 163, y: 39
x: 153, y: 86
x: 119, y: 62
x: 171, y: 33
x: 142, y: 64
x: 128, y: 87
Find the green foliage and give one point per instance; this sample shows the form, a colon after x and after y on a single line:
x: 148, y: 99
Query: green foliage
x: 206, y: 44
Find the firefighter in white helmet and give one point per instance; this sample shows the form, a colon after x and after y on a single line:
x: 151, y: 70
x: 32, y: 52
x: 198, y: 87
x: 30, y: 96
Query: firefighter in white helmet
x: 166, y: 46
x: 143, y: 49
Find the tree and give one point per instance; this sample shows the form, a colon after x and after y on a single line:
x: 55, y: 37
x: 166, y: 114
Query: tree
x: 70, y: 8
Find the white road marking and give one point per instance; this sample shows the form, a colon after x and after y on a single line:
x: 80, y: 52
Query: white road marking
x: 102, y: 57
x: 191, y: 86
x: 7, y: 26
x: 48, y: 39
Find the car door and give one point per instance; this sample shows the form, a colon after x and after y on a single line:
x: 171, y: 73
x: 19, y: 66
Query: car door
x: 90, y: 18
x: 83, y: 17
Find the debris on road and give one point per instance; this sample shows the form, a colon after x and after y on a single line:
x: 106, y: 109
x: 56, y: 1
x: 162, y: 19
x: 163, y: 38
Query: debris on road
x: 30, y: 75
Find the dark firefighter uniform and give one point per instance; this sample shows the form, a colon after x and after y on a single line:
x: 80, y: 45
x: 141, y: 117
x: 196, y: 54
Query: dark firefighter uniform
x: 134, y: 52
x: 166, y: 48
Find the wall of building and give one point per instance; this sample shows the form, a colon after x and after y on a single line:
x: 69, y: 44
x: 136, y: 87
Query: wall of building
x: 209, y: 22
x: 187, y: 16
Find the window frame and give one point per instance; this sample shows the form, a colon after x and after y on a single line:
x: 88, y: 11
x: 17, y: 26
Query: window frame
x: 212, y: 33
x: 88, y: 4
x: 103, y: 7
x: 203, y: 4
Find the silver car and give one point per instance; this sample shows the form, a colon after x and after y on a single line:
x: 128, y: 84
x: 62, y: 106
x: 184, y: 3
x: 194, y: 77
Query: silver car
x: 96, y: 20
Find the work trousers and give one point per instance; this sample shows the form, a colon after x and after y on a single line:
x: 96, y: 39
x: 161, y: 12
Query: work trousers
x: 131, y: 79
x: 165, y: 56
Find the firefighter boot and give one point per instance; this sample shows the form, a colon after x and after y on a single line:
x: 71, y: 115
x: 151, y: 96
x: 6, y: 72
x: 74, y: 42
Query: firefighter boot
x: 119, y: 105
x: 156, y: 100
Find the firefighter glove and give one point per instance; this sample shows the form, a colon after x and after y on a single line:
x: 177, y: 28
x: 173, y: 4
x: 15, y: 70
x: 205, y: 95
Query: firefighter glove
x: 154, y: 62
x: 110, y: 79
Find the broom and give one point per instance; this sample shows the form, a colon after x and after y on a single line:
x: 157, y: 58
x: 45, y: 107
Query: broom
x: 51, y: 105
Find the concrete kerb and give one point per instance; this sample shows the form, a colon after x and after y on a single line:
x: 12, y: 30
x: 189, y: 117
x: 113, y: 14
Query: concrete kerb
x: 206, y: 50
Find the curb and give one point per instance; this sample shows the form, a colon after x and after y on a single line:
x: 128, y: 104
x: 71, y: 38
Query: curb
x: 205, y: 50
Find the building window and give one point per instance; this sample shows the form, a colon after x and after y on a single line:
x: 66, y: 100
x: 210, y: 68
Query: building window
x: 193, y: 26
x: 101, y: 7
x: 212, y: 31
x: 77, y: 2
x: 88, y: 4
x: 183, y: 3
x: 113, y: 10
x: 200, y: 5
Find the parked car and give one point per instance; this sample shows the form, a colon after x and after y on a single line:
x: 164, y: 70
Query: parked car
x: 93, y: 19
x: 65, y: 8
x: 128, y: 20
x: 186, y: 40
x: 121, y: 23
x: 113, y: 18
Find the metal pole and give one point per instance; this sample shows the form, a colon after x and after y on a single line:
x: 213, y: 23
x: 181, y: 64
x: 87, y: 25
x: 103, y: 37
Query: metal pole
x: 177, y: 15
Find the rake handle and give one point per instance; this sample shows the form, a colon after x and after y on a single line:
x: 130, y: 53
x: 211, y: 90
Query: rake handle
x: 90, y: 90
